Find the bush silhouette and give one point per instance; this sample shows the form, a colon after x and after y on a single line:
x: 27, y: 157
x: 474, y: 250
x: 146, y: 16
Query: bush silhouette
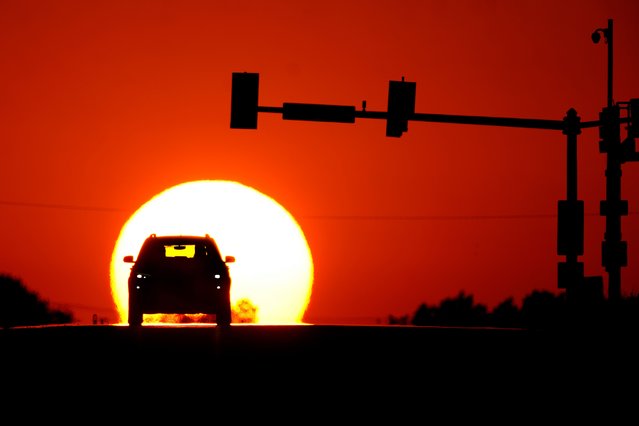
x: 21, y: 307
x: 539, y: 310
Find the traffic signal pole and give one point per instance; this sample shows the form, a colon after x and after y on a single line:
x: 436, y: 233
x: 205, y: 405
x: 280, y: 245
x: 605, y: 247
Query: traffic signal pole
x: 401, y: 110
x: 335, y: 114
x: 570, y: 216
x: 613, y: 249
x: 570, y: 227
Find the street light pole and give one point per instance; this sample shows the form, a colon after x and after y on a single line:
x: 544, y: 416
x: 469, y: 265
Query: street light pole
x: 610, y: 99
x: 607, y: 34
x: 614, y: 249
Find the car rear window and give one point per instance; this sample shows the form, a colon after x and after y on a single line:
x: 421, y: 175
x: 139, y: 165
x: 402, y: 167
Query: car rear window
x: 179, y: 250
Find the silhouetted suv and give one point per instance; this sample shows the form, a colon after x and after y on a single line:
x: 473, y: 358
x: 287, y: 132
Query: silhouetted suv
x: 179, y: 274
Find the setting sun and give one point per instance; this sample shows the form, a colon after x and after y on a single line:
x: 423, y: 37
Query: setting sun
x: 273, y: 268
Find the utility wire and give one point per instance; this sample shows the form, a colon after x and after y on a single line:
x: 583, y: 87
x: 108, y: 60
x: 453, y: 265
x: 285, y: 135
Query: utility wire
x: 60, y: 206
x: 327, y: 217
x: 443, y: 217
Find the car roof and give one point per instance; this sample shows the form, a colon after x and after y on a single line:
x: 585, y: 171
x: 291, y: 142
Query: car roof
x: 177, y: 239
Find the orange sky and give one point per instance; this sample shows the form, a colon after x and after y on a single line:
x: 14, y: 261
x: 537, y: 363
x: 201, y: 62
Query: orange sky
x: 104, y: 104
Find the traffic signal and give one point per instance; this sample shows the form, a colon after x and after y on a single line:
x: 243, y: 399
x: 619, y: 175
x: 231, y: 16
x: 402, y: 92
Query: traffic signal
x: 609, y: 128
x: 401, y: 106
x: 633, y: 114
x: 629, y: 146
x: 570, y: 227
x: 244, y: 94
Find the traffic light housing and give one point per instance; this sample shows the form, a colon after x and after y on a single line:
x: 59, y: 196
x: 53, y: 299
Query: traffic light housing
x: 570, y: 227
x: 633, y: 115
x: 401, y: 106
x: 609, y: 128
x: 628, y: 145
x: 244, y: 96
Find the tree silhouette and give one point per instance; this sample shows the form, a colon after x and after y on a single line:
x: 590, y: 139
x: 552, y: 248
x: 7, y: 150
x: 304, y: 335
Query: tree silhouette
x: 543, y: 310
x: 506, y: 314
x: 424, y: 315
x: 540, y: 309
x: 22, y: 307
x: 401, y: 320
x: 244, y: 311
x: 457, y: 311
x: 462, y: 311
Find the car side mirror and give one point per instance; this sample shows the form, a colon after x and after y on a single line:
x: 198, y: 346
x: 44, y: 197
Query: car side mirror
x: 229, y: 259
x: 128, y: 259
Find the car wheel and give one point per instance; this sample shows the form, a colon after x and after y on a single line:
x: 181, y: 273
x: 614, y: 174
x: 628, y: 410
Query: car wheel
x: 135, y: 312
x: 223, y: 315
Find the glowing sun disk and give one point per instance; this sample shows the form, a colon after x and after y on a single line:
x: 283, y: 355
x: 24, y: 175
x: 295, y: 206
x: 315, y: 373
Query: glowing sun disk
x: 273, y: 268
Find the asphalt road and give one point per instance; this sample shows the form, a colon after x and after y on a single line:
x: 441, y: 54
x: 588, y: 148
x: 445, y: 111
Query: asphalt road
x: 323, y: 362
x: 408, y: 347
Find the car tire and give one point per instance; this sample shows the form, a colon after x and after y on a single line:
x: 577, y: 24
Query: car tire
x: 135, y: 312
x: 223, y: 315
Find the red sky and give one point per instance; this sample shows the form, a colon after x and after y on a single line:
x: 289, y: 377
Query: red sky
x: 104, y: 104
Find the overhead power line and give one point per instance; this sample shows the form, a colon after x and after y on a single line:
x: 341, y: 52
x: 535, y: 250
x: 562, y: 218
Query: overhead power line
x: 443, y: 217
x: 61, y: 206
x: 398, y: 217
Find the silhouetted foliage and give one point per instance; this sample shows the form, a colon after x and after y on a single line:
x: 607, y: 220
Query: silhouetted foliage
x: 507, y: 314
x: 543, y: 310
x: 462, y: 311
x: 402, y: 320
x: 244, y: 312
x: 539, y: 310
x: 424, y: 315
x: 458, y: 311
x: 21, y: 307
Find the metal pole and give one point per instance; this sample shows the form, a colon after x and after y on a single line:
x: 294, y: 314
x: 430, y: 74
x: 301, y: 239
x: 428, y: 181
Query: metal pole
x: 612, y: 236
x: 614, y: 250
x: 610, y: 99
x: 571, y: 131
x: 570, y: 216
